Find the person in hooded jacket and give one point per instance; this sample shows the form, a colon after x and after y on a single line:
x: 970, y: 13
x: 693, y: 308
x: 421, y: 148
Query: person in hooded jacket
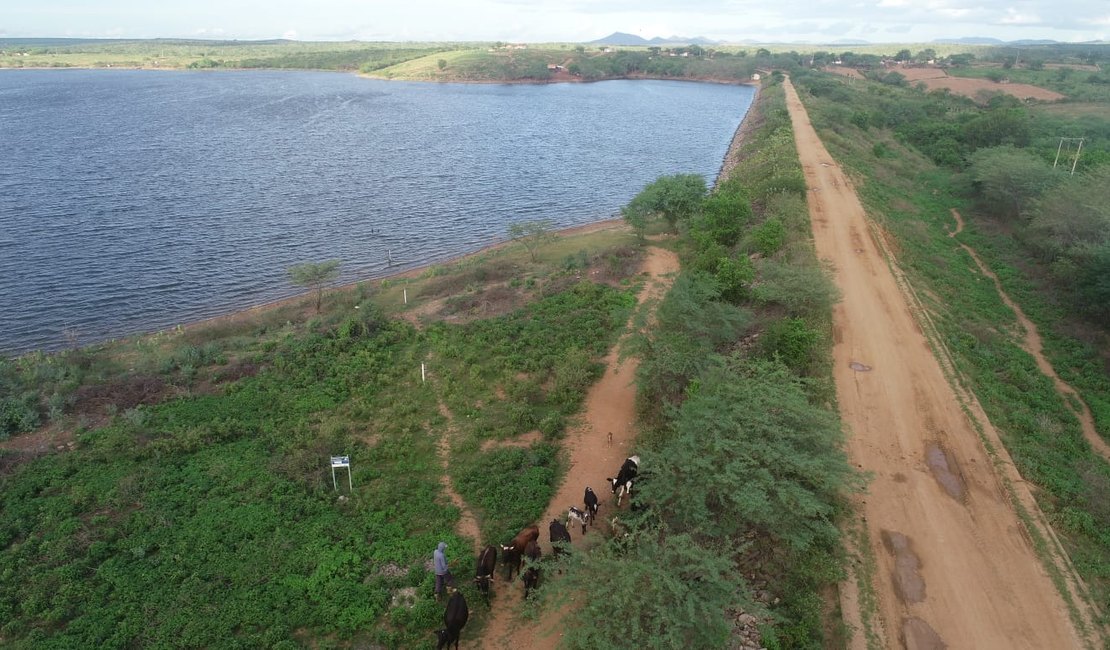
x: 443, y: 573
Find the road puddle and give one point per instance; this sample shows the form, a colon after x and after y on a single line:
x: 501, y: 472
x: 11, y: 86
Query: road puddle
x: 919, y: 635
x: 907, y: 578
x: 859, y: 367
x: 944, y: 470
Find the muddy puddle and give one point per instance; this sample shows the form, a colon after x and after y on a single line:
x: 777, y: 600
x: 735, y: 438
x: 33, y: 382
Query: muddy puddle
x: 945, y: 471
x: 919, y: 635
x: 907, y: 576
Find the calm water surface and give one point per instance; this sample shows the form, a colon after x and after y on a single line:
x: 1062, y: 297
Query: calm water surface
x: 137, y: 200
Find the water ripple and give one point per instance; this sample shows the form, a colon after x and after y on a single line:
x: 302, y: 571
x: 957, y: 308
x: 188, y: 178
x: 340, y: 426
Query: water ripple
x: 144, y: 199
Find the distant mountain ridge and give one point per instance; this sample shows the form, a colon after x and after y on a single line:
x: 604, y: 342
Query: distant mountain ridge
x: 623, y: 38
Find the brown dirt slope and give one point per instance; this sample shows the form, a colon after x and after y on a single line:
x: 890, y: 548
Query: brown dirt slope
x: 610, y: 407
x: 953, y: 563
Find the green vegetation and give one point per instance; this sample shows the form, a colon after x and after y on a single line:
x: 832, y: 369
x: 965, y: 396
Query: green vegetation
x: 1043, y: 233
x: 673, y: 198
x: 742, y: 474
x: 194, y: 504
x: 532, y: 235
x: 315, y: 276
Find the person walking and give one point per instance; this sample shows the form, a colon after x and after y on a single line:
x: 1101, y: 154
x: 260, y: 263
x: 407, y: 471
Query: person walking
x: 443, y: 573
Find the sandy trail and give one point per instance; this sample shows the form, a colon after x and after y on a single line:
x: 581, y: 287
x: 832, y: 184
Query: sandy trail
x: 953, y: 563
x: 610, y: 407
x: 1032, y: 344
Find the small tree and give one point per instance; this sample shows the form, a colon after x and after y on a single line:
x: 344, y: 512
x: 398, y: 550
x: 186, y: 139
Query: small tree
x: 314, y: 275
x: 441, y: 64
x: 532, y: 234
x: 675, y: 198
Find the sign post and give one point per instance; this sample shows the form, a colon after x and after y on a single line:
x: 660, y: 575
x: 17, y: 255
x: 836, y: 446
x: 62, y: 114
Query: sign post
x: 341, y: 461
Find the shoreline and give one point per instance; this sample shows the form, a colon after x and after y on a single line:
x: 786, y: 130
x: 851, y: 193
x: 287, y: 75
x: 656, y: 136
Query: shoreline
x: 611, y: 223
x: 370, y: 75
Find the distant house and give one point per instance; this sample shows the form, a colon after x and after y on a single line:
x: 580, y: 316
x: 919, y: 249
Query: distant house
x: 755, y: 76
x: 607, y: 50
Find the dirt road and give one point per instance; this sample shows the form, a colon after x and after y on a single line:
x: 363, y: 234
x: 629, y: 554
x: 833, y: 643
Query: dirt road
x: 610, y: 407
x: 953, y: 563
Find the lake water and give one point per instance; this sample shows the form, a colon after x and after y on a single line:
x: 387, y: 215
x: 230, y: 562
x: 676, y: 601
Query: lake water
x: 136, y: 200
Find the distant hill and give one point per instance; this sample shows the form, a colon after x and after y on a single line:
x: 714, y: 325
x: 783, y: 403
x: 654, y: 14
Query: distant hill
x: 622, y: 38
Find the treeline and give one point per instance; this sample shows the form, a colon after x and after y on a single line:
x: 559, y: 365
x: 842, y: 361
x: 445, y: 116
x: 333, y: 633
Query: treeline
x: 365, y: 60
x: 1012, y: 164
x: 742, y: 474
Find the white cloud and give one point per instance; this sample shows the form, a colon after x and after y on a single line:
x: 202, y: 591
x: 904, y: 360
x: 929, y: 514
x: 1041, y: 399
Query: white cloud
x: 1015, y: 17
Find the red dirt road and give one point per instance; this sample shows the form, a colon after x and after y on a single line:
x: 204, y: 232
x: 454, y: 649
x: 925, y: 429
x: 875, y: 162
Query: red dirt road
x: 953, y: 562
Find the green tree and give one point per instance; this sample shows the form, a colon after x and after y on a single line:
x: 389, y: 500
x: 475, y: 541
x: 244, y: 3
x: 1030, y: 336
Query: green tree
x: 903, y: 55
x: 314, y: 276
x: 1007, y: 179
x: 532, y: 234
x: 441, y: 64
x: 749, y: 453
x: 675, y: 198
x: 650, y: 591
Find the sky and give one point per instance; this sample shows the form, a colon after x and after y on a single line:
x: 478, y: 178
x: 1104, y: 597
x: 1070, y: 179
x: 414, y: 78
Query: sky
x: 815, y: 21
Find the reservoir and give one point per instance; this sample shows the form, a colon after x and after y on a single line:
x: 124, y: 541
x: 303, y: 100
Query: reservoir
x: 137, y: 200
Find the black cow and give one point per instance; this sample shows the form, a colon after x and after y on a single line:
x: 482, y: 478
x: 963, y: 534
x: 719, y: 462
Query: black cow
x: 513, y: 554
x: 580, y: 517
x: 625, y: 478
x: 454, y: 618
x: 483, y: 573
x: 560, y: 537
x: 531, y: 578
x: 590, y: 501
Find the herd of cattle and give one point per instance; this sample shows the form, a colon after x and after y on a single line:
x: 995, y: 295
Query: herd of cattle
x: 525, y: 546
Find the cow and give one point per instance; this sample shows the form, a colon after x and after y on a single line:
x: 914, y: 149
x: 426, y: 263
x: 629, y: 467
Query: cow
x: 580, y: 517
x: 483, y: 573
x: 531, y: 578
x: 625, y: 478
x: 513, y: 554
x: 559, y: 535
x: 590, y: 501
x: 454, y: 618
x: 532, y: 550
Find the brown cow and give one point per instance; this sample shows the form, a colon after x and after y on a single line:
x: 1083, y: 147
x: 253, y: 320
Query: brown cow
x: 513, y: 554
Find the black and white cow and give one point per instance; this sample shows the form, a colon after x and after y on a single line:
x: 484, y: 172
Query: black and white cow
x: 590, y: 501
x: 483, y: 573
x: 622, y: 485
x: 454, y: 619
x: 580, y: 517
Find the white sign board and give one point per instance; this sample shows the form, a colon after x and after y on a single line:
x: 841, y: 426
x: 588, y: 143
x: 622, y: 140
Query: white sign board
x: 341, y: 461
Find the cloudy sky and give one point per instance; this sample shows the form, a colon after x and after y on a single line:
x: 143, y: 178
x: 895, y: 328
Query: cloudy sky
x: 821, y: 21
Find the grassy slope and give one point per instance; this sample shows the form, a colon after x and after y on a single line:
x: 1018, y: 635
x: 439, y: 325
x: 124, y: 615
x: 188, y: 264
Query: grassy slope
x: 203, y: 513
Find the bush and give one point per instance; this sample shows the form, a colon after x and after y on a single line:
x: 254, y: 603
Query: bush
x: 792, y: 341
x: 769, y: 237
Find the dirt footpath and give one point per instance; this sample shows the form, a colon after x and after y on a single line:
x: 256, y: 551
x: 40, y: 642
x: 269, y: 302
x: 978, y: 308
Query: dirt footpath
x: 953, y: 564
x: 610, y: 407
